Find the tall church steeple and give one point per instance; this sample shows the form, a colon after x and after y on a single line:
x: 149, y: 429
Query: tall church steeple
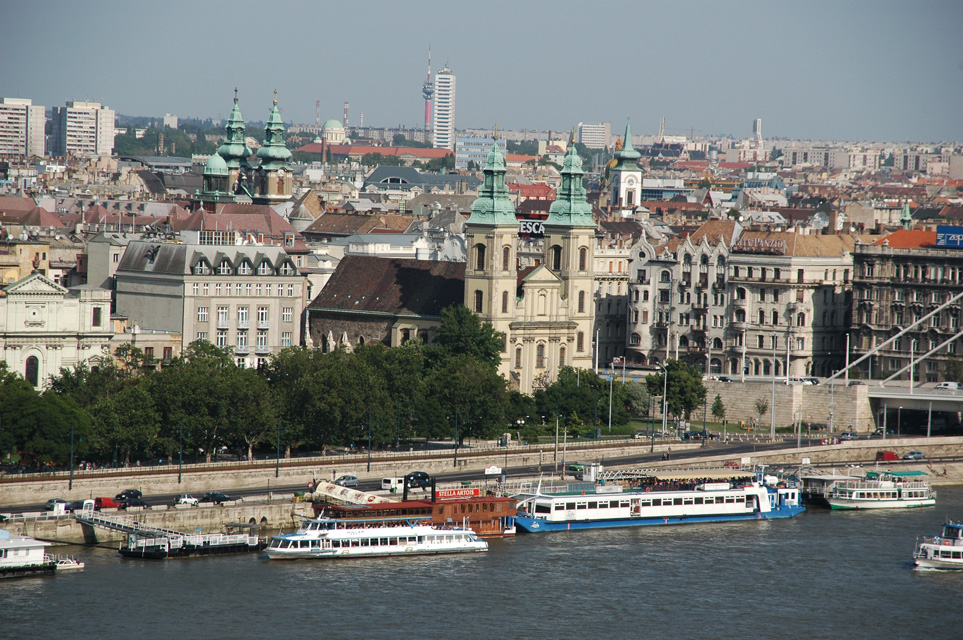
x: 233, y: 149
x: 274, y: 175
x: 626, y: 185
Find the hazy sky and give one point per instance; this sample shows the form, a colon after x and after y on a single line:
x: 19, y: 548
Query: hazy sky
x: 853, y: 70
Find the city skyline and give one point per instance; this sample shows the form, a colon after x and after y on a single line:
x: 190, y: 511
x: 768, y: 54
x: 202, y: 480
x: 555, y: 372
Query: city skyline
x: 875, y: 71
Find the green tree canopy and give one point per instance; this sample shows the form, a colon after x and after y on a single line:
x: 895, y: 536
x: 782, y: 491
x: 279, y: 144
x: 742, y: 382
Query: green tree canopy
x: 685, y: 390
x: 462, y: 333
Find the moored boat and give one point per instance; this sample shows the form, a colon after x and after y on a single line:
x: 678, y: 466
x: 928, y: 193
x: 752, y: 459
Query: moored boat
x: 365, y: 538
x: 943, y: 551
x: 24, y: 556
x: 612, y: 506
x: 882, y: 490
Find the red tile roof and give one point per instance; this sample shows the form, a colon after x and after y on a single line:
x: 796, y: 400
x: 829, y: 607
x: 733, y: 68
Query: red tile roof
x: 909, y: 239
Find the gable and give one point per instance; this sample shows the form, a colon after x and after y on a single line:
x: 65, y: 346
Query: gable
x: 35, y: 284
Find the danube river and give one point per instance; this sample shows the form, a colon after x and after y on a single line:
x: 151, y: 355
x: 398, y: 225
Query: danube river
x: 821, y: 575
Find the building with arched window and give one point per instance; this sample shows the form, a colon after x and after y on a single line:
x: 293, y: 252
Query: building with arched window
x: 44, y: 326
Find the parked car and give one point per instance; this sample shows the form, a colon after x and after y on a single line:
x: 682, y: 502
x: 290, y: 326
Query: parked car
x: 216, y: 497
x: 186, y: 498
x: 856, y: 383
x: 810, y: 380
x: 74, y: 505
x: 914, y: 455
x: 105, y: 503
x: 692, y: 435
x: 51, y: 504
x: 347, y: 481
x: 418, y: 479
x: 639, y: 435
x: 132, y: 502
x: 949, y: 386
x: 724, y: 379
x: 127, y: 494
x: 886, y: 456
x: 849, y: 435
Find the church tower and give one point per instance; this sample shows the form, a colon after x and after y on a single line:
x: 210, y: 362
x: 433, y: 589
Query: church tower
x: 491, y: 235
x: 625, y: 192
x: 234, y: 151
x: 570, y: 254
x: 274, y: 181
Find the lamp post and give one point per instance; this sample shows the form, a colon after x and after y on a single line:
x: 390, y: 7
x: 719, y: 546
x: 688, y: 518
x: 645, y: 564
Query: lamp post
x: 611, y: 377
x: 665, y: 397
x: 705, y: 410
x: 772, y: 408
x: 70, y: 484
x: 899, y: 420
x: 456, y: 438
x: 277, y: 457
x: 180, y: 453
x: 369, y: 442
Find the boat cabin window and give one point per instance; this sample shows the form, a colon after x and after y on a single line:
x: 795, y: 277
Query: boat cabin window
x: 541, y: 507
x: 570, y: 506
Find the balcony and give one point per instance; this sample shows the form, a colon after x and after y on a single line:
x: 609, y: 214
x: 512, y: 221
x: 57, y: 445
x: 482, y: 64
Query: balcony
x: 720, y: 283
x: 700, y: 309
x: 262, y: 349
x: 740, y: 349
x: 739, y: 325
x: 696, y: 350
x: 703, y: 282
x: 223, y: 323
x: 243, y: 324
x: 242, y: 349
x: 264, y: 324
x: 641, y: 280
x: 740, y: 303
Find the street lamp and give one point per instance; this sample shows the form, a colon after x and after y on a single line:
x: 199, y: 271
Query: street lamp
x: 180, y: 454
x: 369, y: 441
x: 277, y: 459
x: 456, y: 438
x: 772, y: 408
x: 665, y: 397
x: 899, y: 420
x: 70, y: 484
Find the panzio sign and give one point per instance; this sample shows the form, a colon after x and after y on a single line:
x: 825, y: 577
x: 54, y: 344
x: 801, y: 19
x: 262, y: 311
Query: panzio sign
x: 949, y: 237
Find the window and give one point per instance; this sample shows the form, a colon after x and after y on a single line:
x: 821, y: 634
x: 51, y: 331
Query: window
x: 775, y: 342
x: 202, y: 335
x: 580, y: 342
x: 244, y: 269
x: 267, y: 290
x: 196, y: 289
x: 116, y: 257
x: 237, y: 289
x: 635, y: 339
x: 290, y: 290
x: 665, y: 276
x: 800, y: 344
x: 540, y: 356
x: 97, y: 317
x: 217, y: 289
x: 262, y: 338
x: 287, y: 314
x: 286, y: 269
x: 479, y: 297
x: 762, y: 317
x: 168, y: 353
x: 504, y: 302
x: 202, y: 314
x: 518, y: 357
x: 207, y: 289
x: 561, y: 356
x: 248, y: 288
x: 581, y: 302
x: 759, y: 341
x: 221, y: 339
x: 257, y: 289
x: 800, y: 319
x: 149, y: 353
x: 264, y: 269
x: 262, y: 316
x: 556, y: 255
x: 224, y: 268
x: 775, y: 317
x: 582, y: 259
x: 480, y: 257
x: 242, y: 317
x: 241, y: 342
x: 285, y: 338
x: 506, y: 258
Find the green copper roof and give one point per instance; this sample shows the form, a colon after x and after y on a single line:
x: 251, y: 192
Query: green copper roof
x: 332, y: 124
x: 627, y: 155
x: 493, y: 206
x: 274, y: 154
x: 233, y: 150
x: 906, y: 218
x: 215, y: 166
x: 570, y: 208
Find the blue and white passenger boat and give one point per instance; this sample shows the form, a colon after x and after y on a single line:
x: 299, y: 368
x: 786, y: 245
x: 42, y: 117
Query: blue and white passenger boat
x: 366, y: 538
x: 941, y: 552
x: 613, y: 506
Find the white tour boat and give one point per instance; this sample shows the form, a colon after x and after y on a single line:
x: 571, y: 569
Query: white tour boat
x: 365, y: 538
x: 882, y: 490
x: 941, y: 552
x: 25, y: 556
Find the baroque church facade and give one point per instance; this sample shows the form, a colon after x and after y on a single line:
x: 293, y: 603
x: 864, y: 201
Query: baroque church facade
x: 546, y: 312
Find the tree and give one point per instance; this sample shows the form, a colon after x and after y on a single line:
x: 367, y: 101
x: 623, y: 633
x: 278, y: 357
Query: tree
x: 718, y: 409
x: 128, y: 423
x: 762, y: 405
x: 253, y: 418
x: 469, y: 388
x: 462, y: 333
x: 954, y: 370
x: 685, y: 390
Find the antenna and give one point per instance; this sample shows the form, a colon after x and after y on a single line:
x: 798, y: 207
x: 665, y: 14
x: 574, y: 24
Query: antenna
x: 428, y: 92
x: 317, y: 115
x: 346, y: 115
x: 661, y: 129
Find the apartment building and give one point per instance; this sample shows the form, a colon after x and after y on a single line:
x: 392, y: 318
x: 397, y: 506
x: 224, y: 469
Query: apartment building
x: 443, y: 110
x: 248, y: 298
x: 21, y: 127
x: 82, y: 129
x: 899, y: 279
x: 595, y: 136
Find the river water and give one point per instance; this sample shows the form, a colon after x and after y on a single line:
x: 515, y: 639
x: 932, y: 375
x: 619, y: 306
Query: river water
x: 821, y: 575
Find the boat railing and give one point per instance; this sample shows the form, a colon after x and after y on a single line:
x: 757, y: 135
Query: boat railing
x: 877, y: 485
x: 943, y: 542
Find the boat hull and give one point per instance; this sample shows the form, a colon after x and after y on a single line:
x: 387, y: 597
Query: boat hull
x: 850, y: 505
x: 186, y: 551
x: 336, y: 554
x: 23, y: 571
x: 537, y: 525
x: 941, y: 565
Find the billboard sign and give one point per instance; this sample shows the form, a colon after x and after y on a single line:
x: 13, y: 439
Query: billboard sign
x: 949, y: 237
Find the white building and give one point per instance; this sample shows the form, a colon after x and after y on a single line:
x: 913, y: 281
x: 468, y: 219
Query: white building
x: 475, y: 149
x: 170, y: 121
x: 443, y: 110
x: 82, y: 129
x: 44, y: 326
x: 595, y: 136
x: 21, y: 127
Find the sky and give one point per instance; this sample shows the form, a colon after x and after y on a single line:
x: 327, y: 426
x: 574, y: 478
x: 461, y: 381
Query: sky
x: 870, y: 70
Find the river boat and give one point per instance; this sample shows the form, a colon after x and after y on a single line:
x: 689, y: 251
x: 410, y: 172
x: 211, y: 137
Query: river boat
x: 24, y: 556
x: 943, y: 551
x: 882, y: 490
x: 366, y: 538
x: 606, y: 506
x: 487, y: 516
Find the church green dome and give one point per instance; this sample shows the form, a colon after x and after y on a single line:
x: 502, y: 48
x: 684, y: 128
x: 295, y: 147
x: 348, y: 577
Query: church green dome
x: 216, y: 166
x: 332, y: 125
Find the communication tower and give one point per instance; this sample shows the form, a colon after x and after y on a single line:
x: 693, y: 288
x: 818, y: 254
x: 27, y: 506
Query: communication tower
x: 345, y: 116
x: 428, y: 91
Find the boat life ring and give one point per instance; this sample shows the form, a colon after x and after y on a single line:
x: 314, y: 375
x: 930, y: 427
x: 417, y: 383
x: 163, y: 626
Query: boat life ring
x: 310, y: 485
x: 948, y: 543
x: 371, y: 498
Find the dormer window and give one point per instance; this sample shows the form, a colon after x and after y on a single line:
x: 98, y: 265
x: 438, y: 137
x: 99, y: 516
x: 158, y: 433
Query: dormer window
x: 265, y: 268
x: 202, y: 268
x: 224, y: 268
x: 244, y: 269
x: 286, y: 269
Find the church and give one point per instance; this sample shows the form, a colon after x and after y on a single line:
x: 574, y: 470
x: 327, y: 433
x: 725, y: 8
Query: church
x: 545, y: 312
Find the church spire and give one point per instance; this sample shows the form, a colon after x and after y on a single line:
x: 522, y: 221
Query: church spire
x: 493, y: 205
x: 571, y: 209
x: 274, y: 154
x: 627, y: 156
x: 233, y: 149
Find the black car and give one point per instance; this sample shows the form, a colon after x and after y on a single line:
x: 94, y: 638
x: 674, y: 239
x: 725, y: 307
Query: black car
x: 127, y: 494
x: 418, y: 479
x: 216, y: 497
x: 132, y: 502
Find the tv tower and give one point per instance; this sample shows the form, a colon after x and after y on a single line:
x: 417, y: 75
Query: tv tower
x: 428, y: 91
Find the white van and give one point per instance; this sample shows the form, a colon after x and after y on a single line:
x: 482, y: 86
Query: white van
x: 949, y: 386
x: 392, y: 484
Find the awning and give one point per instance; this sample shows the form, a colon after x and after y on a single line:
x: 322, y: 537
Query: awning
x: 350, y: 496
x: 672, y: 475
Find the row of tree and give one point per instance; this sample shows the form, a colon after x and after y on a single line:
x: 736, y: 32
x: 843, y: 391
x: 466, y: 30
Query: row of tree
x: 126, y: 409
